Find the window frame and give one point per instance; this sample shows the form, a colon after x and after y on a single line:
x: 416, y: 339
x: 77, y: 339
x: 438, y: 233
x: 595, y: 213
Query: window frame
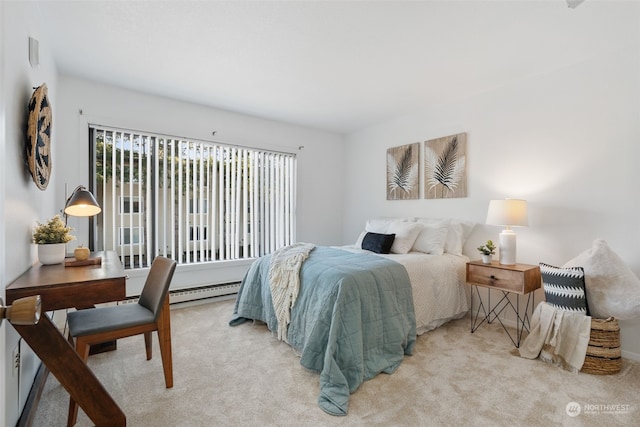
x: 249, y: 211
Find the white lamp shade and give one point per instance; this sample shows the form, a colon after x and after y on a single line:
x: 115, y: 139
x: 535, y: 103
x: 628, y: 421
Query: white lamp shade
x: 508, y: 212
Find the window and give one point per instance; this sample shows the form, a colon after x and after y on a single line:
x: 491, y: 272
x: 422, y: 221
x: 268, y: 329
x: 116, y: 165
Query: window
x: 130, y: 236
x: 131, y: 205
x: 194, y: 234
x: 192, y: 201
x: 195, y: 206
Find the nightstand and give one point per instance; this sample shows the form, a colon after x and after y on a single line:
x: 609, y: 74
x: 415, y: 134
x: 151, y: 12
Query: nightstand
x: 518, y: 279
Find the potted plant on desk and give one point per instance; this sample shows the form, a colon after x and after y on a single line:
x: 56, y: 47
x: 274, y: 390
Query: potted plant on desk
x: 51, y: 238
x: 487, y: 250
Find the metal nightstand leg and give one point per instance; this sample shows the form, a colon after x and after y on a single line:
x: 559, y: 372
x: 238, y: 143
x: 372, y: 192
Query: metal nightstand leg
x: 522, y: 322
x: 474, y: 319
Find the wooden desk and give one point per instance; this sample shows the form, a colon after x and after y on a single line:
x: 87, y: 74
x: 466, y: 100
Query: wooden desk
x: 63, y: 287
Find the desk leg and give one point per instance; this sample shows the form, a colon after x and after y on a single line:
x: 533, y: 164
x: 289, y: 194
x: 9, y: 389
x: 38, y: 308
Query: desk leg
x: 74, y: 375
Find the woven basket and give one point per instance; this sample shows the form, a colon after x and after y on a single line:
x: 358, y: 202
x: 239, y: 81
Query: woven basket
x: 603, y: 353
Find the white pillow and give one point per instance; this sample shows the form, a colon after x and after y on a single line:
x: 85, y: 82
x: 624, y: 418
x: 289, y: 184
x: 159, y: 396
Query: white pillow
x: 406, y: 234
x: 612, y: 288
x: 374, y: 226
x: 432, y: 236
x: 459, y: 231
x: 360, y: 239
x: 380, y: 225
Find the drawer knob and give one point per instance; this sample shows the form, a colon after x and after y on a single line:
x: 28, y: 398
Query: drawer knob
x: 493, y: 279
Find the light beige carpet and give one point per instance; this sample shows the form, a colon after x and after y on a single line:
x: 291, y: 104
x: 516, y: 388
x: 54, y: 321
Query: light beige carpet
x: 243, y: 376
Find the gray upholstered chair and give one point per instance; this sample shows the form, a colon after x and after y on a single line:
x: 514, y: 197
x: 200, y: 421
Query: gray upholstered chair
x: 151, y: 313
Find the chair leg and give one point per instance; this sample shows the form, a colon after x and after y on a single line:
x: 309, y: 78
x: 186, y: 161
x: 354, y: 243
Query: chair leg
x: 148, y: 342
x: 82, y: 349
x: 164, y: 339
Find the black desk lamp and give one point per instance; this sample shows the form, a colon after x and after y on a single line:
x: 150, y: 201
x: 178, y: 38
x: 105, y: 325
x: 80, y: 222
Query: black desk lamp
x: 81, y: 203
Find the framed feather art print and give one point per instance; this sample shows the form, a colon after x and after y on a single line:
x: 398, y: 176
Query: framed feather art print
x: 403, y: 172
x: 445, y: 167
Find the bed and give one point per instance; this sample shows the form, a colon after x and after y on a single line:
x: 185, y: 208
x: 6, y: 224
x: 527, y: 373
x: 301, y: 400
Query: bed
x: 358, y: 313
x: 437, y: 283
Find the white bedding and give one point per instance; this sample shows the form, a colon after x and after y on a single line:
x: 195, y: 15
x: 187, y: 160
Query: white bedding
x: 438, y: 284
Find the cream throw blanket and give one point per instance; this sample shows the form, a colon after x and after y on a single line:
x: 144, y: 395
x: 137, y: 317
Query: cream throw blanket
x: 284, y: 281
x: 558, y: 337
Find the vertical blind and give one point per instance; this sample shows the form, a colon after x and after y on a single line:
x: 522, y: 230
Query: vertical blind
x: 192, y: 201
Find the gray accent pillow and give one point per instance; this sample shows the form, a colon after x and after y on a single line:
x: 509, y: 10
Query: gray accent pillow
x: 378, y: 243
x: 564, y: 288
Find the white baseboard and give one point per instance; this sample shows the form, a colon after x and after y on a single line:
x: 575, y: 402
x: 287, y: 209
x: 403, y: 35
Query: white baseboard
x: 630, y: 355
x: 193, y: 303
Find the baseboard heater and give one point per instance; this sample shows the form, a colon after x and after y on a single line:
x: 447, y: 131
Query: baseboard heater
x: 197, y: 293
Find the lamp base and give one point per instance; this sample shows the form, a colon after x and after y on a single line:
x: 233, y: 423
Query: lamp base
x: 507, y: 246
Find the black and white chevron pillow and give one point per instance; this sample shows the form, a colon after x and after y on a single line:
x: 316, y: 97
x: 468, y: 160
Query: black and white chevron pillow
x: 564, y: 288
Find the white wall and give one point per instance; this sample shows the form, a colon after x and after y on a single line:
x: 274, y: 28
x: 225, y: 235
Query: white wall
x: 320, y: 162
x: 567, y: 141
x: 22, y: 202
x: 3, y: 334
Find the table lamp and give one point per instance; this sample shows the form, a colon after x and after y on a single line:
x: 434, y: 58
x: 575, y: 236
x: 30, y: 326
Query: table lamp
x: 508, y: 213
x: 81, y: 203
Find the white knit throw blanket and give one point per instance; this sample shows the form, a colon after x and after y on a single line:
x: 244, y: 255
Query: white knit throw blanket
x: 284, y: 281
x: 557, y: 337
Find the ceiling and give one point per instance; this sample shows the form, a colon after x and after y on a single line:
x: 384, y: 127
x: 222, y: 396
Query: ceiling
x: 333, y: 65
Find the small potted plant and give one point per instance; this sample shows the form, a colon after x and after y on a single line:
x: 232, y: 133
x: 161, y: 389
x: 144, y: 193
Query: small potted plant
x: 487, y: 250
x: 51, y: 238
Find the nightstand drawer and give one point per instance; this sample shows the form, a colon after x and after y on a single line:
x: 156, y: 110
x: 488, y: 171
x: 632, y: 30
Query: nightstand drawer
x: 508, y: 280
x: 520, y: 278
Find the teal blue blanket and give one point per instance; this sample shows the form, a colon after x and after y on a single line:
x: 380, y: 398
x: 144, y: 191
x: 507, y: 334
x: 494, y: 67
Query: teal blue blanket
x: 353, y: 319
